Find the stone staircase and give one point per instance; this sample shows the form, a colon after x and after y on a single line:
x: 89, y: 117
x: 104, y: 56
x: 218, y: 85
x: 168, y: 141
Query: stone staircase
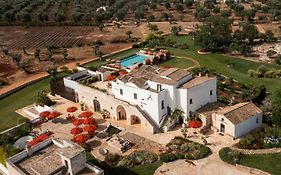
x: 156, y: 127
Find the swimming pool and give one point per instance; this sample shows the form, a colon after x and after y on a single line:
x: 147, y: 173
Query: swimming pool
x: 134, y: 59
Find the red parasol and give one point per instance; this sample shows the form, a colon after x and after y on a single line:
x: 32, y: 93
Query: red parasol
x: 81, y: 138
x: 44, y: 114
x: 76, y: 130
x: 194, y: 124
x: 71, y: 109
x: 90, y: 128
x: 53, y: 115
x: 89, y: 121
x: 86, y: 114
x: 122, y: 72
x: 111, y: 77
x: 77, y: 122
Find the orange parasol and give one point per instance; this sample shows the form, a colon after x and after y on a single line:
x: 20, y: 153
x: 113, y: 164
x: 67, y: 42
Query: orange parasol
x: 81, y: 138
x: 86, y: 114
x: 71, y: 109
x: 44, y: 114
x: 76, y: 130
x: 194, y: 124
x: 90, y: 128
x: 53, y: 115
x: 77, y: 122
x: 89, y: 121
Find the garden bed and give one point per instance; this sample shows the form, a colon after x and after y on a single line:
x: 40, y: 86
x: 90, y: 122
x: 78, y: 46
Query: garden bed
x: 268, y: 137
x: 181, y: 148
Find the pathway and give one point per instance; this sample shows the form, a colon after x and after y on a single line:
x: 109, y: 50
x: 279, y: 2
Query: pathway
x: 195, y: 62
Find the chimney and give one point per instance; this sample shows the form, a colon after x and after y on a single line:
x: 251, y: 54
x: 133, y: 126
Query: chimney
x: 199, y: 75
x: 207, y: 75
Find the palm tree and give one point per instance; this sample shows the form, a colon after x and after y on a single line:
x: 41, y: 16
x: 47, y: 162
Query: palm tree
x: 37, y: 54
x: 177, y: 113
x: 24, y: 50
x: 5, y: 50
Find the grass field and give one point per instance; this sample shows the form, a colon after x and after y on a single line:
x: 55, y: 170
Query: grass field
x: 177, y: 62
x: 229, y: 66
x: 22, y: 98
x: 266, y: 162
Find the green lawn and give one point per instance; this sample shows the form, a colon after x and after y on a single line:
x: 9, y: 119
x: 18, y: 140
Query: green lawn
x: 22, y: 98
x: 266, y: 162
x: 230, y: 66
x: 177, y: 62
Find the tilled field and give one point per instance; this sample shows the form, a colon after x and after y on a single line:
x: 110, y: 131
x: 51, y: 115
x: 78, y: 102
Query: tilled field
x: 41, y: 37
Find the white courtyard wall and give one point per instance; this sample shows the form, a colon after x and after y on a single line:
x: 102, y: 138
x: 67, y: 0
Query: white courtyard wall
x: 108, y: 102
x: 246, y: 126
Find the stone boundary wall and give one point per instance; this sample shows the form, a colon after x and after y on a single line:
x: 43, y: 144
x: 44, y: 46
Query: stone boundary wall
x: 257, y: 151
x: 252, y: 170
x: 5, y: 94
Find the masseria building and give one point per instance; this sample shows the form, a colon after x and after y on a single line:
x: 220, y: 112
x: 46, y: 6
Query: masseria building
x: 145, y: 97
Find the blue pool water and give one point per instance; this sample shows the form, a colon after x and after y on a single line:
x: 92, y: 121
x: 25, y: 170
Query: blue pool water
x: 134, y: 59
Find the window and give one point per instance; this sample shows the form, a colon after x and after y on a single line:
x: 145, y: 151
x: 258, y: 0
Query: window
x: 257, y: 120
x: 159, y: 87
x: 211, y: 92
x: 135, y: 96
x: 162, y: 104
x: 190, y: 101
x: 121, y: 91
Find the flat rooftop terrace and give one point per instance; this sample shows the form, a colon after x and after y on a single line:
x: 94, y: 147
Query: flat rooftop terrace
x: 43, y: 161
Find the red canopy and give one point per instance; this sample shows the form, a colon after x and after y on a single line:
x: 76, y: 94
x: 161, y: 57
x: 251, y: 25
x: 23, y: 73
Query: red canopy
x: 76, y: 130
x: 90, y: 128
x: 77, y: 122
x: 81, y: 138
x: 89, y: 121
x: 38, y: 139
x: 86, y: 114
x: 111, y: 77
x: 122, y: 72
x: 44, y: 114
x: 53, y: 115
x: 71, y: 109
x: 194, y: 124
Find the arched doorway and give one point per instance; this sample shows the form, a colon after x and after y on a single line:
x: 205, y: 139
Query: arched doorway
x: 96, y: 105
x: 135, y: 120
x: 121, y: 113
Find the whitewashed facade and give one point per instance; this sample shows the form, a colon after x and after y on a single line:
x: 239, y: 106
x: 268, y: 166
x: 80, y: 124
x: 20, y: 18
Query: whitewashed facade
x: 148, y: 95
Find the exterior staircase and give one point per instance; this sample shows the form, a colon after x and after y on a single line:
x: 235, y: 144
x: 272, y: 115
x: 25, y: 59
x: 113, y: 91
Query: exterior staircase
x: 156, y: 127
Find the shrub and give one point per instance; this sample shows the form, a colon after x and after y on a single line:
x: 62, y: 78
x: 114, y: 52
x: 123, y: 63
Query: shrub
x: 112, y: 159
x: 246, y: 141
x: 135, y: 45
x: 138, y: 158
x: 229, y: 156
x: 168, y: 157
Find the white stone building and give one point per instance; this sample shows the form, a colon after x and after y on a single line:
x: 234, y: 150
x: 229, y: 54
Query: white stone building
x: 235, y: 121
x: 51, y: 157
x: 146, y: 96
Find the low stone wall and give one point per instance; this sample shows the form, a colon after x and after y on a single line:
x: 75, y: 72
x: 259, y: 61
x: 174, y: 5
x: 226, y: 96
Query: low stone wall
x: 257, y: 151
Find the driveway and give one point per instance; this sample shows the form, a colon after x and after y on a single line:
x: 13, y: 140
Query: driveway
x: 211, y: 165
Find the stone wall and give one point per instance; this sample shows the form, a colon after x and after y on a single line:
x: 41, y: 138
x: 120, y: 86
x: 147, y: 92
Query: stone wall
x: 257, y: 151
